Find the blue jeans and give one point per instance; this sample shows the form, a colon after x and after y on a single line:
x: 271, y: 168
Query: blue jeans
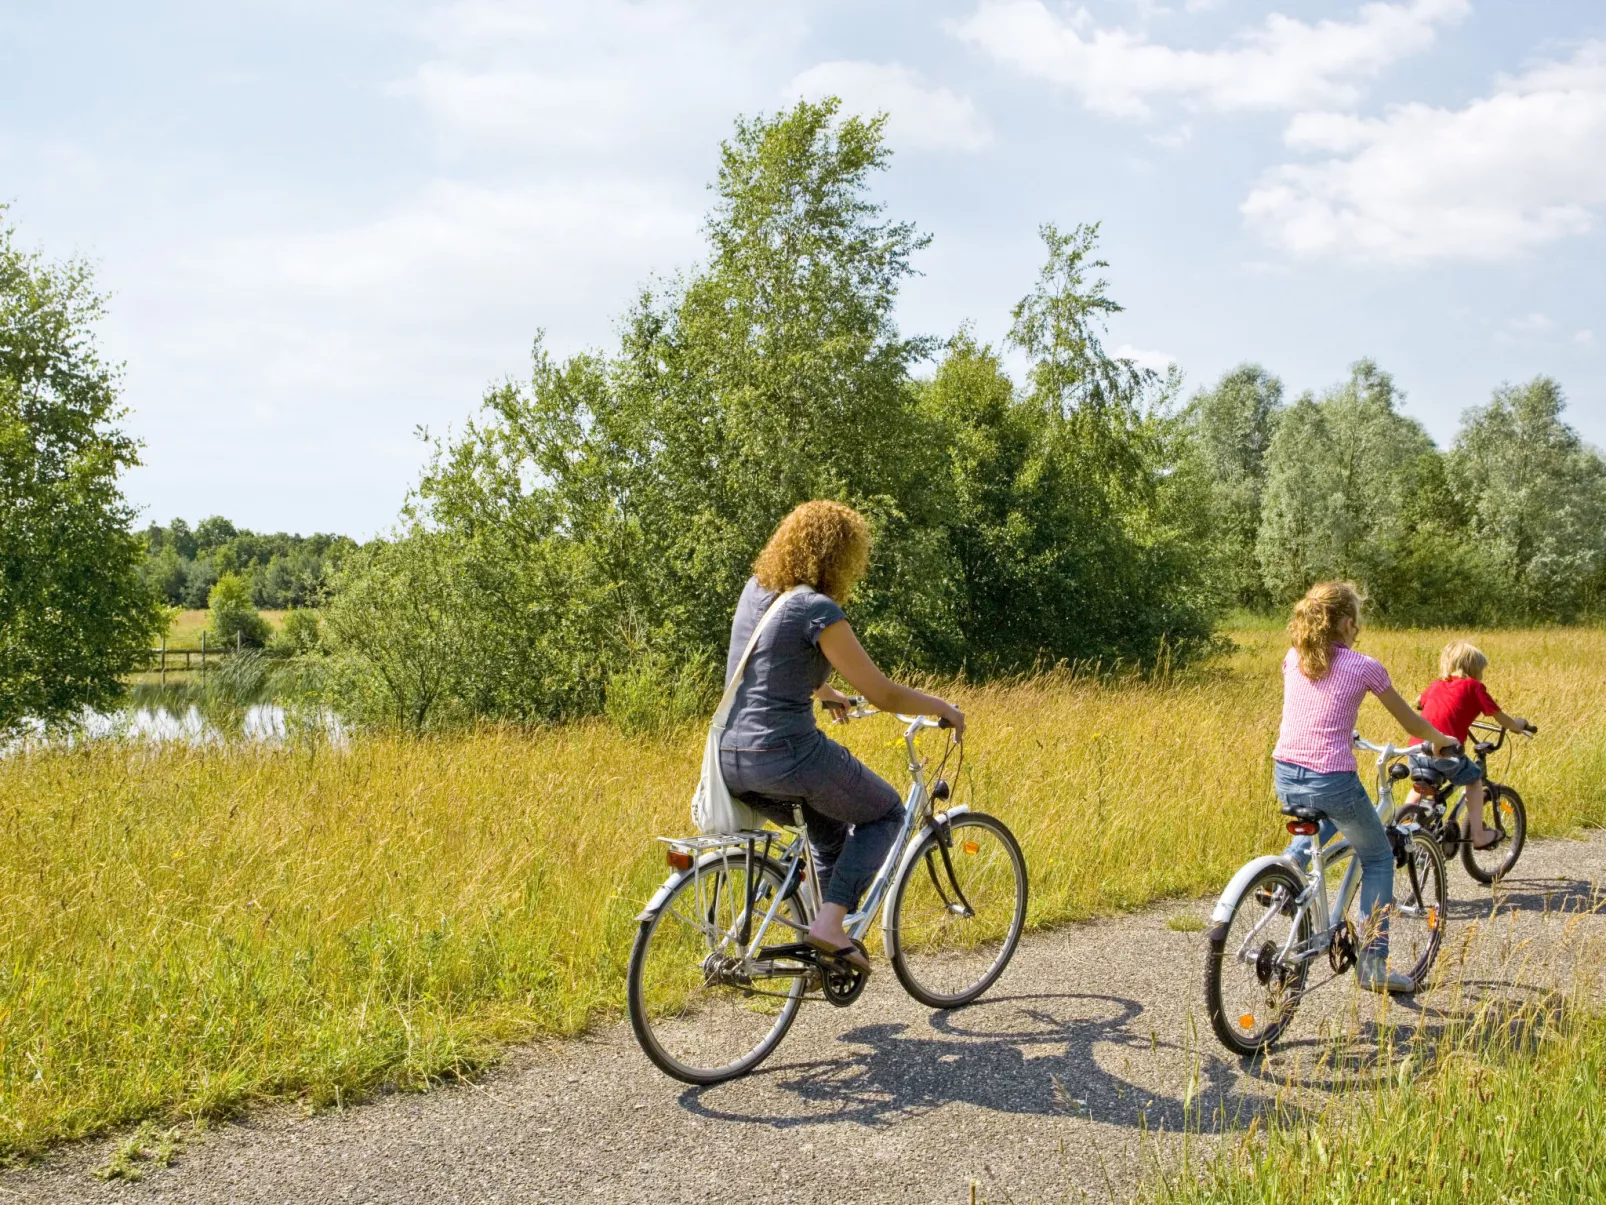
x: 1349, y: 810
x: 852, y: 813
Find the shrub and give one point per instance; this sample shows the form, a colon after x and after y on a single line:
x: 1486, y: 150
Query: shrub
x: 234, y: 618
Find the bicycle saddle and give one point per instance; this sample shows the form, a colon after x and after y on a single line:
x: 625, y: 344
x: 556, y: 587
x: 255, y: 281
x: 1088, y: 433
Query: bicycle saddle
x: 1300, y: 811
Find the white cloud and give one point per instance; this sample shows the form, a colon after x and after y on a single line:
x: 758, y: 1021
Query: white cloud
x: 1146, y: 357
x: 1584, y: 338
x: 1532, y: 324
x: 917, y: 115
x: 1282, y: 64
x: 1504, y: 174
x: 604, y: 79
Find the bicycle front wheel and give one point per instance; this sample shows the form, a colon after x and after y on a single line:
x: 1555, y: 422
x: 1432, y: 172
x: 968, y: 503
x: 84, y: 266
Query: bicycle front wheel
x: 1421, y: 898
x: 704, y: 1007
x: 957, y: 911
x: 1503, y: 811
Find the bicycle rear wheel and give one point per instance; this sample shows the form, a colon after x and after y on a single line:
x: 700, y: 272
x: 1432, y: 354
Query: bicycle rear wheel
x: 702, y: 1012
x: 1503, y: 811
x: 1251, y: 992
x: 957, y: 911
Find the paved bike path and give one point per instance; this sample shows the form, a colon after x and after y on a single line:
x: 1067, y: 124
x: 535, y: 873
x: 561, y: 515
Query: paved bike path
x: 1040, y: 1093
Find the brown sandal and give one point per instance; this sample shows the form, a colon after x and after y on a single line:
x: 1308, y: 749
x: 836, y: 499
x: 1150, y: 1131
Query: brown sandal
x: 849, y: 954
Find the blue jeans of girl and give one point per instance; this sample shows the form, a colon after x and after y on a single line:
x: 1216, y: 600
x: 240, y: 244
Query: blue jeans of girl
x: 1349, y: 811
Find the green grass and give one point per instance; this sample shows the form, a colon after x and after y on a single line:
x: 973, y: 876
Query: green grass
x: 1512, y: 1109
x: 188, y: 931
x: 185, y: 631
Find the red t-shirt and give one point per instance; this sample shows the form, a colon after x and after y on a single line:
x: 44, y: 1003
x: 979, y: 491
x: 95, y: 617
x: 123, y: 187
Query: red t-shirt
x: 1451, y: 704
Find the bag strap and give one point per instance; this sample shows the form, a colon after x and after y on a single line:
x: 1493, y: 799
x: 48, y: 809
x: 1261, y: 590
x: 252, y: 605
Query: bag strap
x: 729, y: 697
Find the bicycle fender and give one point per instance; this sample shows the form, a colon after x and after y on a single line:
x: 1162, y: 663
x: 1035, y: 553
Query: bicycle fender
x: 676, y: 878
x: 1240, y: 882
x: 940, y: 818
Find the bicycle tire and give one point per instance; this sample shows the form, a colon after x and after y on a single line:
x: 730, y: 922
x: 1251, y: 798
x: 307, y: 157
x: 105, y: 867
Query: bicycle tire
x: 664, y: 1031
x: 1425, y: 900
x: 1237, y: 1024
x: 918, y: 932
x: 1499, y: 802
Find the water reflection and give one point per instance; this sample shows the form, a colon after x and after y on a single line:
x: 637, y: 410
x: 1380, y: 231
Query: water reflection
x: 170, y: 715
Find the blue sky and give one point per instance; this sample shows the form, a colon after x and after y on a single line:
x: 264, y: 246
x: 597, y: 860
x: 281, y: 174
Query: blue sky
x: 324, y: 225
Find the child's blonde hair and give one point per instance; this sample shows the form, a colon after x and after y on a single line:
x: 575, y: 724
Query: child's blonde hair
x: 1314, y: 627
x: 1462, y: 658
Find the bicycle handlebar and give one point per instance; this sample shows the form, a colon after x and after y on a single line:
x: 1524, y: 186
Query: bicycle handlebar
x: 858, y: 709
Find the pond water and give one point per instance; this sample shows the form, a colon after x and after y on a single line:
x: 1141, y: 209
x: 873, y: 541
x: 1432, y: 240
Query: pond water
x: 172, y: 715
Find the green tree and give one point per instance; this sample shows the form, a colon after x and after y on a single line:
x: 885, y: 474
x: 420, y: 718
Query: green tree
x: 1536, y: 498
x: 1227, y: 433
x: 402, y: 631
x: 233, y: 617
x: 1339, y: 476
x: 75, y: 615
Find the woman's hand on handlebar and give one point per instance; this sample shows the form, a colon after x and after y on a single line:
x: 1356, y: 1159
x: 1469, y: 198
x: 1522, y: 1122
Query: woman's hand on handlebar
x: 951, y: 717
x: 834, y: 701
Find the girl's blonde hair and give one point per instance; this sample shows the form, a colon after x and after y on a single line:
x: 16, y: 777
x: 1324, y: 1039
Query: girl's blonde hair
x: 1463, y: 658
x: 821, y: 544
x: 1314, y: 627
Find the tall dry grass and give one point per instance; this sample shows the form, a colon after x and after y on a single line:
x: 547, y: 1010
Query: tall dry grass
x: 184, y: 931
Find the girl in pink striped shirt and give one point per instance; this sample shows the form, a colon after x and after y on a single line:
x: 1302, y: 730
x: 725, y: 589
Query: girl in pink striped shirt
x: 1324, y: 682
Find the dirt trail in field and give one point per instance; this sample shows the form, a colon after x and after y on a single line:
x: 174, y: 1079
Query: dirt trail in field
x: 1042, y: 1093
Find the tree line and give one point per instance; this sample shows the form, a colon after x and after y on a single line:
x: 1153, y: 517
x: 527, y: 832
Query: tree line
x: 578, y: 547
x: 279, y: 570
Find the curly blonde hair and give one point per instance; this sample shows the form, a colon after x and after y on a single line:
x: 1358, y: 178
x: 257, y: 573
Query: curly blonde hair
x: 821, y: 544
x: 1314, y: 627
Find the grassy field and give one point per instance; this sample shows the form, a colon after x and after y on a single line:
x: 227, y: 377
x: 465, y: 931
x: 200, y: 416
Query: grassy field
x: 183, y: 932
x: 185, y: 631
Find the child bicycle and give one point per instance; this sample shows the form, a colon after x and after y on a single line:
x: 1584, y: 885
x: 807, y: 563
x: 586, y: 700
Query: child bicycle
x: 1276, y: 918
x: 719, y: 970
x: 1503, y: 811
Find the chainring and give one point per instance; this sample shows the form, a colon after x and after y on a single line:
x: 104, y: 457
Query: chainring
x: 1341, y: 952
x: 842, y: 982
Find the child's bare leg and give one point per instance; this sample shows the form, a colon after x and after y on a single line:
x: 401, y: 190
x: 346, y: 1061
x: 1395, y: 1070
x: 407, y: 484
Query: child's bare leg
x: 1476, y: 833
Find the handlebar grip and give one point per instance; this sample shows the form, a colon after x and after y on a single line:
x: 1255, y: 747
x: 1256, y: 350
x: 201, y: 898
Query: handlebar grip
x: 1533, y: 728
x: 943, y: 723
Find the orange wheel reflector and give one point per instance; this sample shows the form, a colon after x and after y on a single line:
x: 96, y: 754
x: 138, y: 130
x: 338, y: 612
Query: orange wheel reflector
x: 679, y: 859
x: 971, y: 847
x: 1247, y: 1021
x: 1433, y: 918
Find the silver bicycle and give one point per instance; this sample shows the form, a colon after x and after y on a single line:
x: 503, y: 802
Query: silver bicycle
x: 1276, y: 918
x: 718, y: 970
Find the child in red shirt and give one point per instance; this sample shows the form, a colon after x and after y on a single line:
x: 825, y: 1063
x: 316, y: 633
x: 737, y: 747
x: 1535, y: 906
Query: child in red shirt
x: 1451, y: 704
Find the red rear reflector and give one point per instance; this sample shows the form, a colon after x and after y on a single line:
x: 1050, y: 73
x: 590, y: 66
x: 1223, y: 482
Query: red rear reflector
x: 1303, y: 828
x: 679, y: 859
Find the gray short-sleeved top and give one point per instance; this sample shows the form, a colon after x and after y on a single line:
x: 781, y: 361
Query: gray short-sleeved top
x: 775, y: 700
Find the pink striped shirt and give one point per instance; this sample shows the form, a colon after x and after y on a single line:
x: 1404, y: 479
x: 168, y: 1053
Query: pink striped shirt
x: 1319, y: 717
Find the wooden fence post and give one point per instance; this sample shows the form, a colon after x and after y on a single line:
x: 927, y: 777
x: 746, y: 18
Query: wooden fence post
x: 203, y: 657
x: 164, y: 659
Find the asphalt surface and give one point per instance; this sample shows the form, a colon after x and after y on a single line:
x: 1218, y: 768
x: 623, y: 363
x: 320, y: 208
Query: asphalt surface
x: 1082, y: 1066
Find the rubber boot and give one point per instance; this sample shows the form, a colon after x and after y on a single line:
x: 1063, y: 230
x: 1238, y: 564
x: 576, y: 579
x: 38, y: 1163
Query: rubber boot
x: 1374, y: 975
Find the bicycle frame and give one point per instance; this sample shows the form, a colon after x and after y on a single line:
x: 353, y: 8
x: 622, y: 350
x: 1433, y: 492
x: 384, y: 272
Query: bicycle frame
x: 797, y: 855
x: 1314, y: 897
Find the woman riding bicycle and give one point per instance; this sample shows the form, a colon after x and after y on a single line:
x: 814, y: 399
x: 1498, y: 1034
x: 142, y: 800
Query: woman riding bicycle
x: 772, y: 755
x: 1324, y: 683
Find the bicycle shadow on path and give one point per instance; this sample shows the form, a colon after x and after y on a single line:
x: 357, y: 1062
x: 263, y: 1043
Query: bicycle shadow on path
x: 1026, y: 1055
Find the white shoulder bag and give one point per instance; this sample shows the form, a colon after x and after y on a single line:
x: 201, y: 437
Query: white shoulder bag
x: 713, y: 810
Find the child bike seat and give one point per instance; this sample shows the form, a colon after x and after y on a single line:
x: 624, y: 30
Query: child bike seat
x: 1431, y: 773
